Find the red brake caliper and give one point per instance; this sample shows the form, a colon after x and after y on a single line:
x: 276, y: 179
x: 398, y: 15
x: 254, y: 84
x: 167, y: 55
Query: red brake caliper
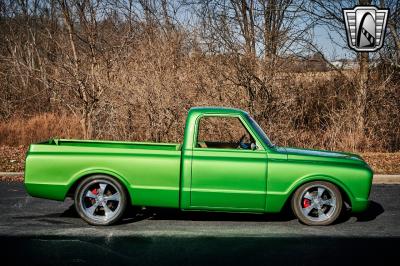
x: 94, y: 191
x: 306, y: 203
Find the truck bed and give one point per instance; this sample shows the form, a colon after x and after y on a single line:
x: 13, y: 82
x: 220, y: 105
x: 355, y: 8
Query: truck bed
x: 150, y: 171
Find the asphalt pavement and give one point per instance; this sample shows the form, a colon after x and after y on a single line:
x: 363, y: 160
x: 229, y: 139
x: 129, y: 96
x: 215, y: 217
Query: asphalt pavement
x: 44, y: 232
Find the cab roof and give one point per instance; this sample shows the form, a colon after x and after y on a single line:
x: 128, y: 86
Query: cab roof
x: 216, y: 110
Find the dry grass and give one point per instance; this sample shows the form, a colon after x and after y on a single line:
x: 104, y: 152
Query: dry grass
x: 144, y: 75
x: 20, y: 131
x: 152, y: 84
x: 383, y: 163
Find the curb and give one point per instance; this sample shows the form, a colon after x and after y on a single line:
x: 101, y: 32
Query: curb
x: 378, y: 179
x: 386, y: 179
x: 11, y: 173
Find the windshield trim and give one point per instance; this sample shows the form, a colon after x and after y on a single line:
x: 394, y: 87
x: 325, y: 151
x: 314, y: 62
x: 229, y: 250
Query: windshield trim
x: 260, y: 132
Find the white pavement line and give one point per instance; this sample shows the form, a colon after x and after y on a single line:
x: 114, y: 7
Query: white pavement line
x: 378, y: 179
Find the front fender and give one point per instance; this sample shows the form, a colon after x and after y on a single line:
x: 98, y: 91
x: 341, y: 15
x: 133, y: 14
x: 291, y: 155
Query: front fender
x: 319, y: 177
x: 355, y: 183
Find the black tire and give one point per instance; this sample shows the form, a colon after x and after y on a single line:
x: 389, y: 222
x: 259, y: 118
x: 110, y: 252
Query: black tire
x: 111, y: 186
x: 320, y: 213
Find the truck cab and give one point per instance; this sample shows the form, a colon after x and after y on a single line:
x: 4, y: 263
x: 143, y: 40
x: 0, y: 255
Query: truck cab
x: 224, y: 161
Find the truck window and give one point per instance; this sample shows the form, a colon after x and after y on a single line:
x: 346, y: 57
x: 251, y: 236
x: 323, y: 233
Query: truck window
x: 223, y: 133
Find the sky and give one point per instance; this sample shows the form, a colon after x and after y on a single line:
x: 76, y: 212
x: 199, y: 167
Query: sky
x: 332, y: 50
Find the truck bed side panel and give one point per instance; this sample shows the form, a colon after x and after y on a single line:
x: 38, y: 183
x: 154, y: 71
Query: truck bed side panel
x: 151, y: 176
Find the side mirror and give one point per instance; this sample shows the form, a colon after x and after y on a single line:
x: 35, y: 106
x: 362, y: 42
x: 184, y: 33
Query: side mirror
x: 253, y: 146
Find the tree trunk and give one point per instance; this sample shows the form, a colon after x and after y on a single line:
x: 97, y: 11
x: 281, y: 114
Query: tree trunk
x: 361, y: 97
x: 86, y: 124
x: 81, y: 90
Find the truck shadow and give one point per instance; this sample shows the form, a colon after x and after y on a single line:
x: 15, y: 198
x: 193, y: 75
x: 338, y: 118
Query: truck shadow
x: 136, y: 214
x: 374, y: 210
x: 133, y: 215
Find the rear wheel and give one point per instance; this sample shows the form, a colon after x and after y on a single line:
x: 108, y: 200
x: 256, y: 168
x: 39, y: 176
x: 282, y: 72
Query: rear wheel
x: 317, y: 203
x: 100, y: 200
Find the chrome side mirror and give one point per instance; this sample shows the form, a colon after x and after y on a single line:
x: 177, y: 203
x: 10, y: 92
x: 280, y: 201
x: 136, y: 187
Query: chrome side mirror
x: 253, y: 146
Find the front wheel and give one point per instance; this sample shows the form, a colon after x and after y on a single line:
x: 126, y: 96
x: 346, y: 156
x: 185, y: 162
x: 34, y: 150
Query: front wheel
x: 100, y: 200
x: 317, y: 203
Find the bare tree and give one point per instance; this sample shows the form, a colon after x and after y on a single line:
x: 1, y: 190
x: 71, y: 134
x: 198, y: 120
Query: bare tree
x: 394, y: 28
x: 329, y: 15
x: 130, y: 69
x: 88, y: 63
x: 252, y: 35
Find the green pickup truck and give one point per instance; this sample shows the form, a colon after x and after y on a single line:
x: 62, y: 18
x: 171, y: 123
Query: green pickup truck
x: 226, y: 163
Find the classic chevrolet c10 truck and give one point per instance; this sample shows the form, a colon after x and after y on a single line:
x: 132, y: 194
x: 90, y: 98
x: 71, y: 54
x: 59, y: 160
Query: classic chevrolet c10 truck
x: 226, y: 163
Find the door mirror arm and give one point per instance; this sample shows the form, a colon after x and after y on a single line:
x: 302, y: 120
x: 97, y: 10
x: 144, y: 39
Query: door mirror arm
x: 253, y: 146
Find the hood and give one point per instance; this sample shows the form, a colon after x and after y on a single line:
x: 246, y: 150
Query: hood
x: 320, y: 155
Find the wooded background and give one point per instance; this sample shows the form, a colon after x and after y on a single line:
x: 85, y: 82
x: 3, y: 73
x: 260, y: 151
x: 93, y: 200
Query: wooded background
x: 131, y: 69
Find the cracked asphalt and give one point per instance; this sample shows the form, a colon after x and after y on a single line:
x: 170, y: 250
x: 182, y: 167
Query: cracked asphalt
x: 44, y: 232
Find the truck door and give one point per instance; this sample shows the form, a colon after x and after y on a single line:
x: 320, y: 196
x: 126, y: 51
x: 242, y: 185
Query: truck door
x: 228, y: 172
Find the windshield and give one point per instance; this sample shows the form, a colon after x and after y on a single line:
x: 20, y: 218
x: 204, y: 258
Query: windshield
x: 259, y: 131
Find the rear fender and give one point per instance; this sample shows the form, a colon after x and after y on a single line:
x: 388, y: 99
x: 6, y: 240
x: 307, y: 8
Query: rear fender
x: 78, y: 177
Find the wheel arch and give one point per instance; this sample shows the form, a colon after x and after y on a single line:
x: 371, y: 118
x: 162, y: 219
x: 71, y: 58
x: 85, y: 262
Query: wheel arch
x: 79, y: 177
x: 347, y: 196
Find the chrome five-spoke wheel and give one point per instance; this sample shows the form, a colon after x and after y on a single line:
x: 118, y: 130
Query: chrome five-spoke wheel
x: 317, y: 203
x: 100, y: 200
